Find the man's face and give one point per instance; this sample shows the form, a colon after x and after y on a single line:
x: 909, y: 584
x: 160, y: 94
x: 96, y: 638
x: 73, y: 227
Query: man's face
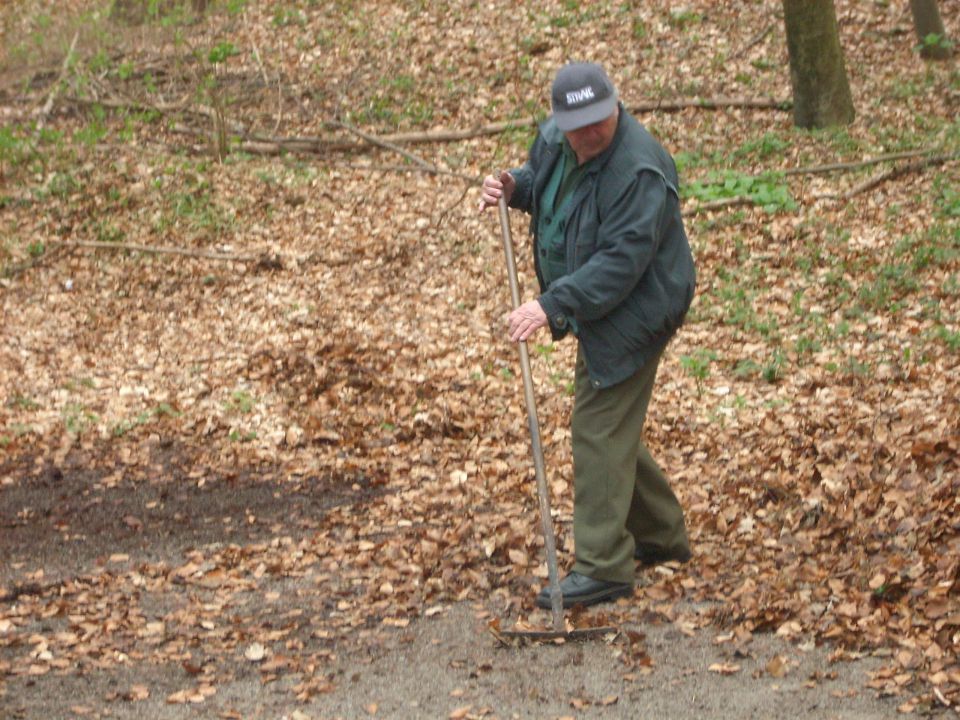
x: 591, y: 140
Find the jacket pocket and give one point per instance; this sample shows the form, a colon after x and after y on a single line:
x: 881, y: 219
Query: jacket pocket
x: 634, y: 321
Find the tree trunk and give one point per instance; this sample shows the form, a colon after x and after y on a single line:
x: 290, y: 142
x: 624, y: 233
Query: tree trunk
x: 927, y: 22
x: 821, y: 93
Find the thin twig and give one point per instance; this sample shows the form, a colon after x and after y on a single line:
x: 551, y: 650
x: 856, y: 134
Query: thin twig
x: 447, y: 210
x: 755, y: 41
x: 276, y: 127
x: 55, y: 90
x: 256, y: 52
x: 156, y: 250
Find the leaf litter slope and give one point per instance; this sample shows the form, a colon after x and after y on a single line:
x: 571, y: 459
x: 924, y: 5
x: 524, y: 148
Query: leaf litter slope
x: 807, y: 412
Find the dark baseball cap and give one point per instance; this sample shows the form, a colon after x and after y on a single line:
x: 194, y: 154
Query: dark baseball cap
x: 582, y: 95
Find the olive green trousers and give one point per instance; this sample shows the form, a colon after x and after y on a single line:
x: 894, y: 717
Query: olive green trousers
x: 621, y: 496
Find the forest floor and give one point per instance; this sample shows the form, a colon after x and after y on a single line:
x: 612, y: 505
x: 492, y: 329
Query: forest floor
x: 263, y: 449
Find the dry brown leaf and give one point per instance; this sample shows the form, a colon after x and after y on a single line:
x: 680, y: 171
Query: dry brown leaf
x: 724, y: 668
x: 778, y: 667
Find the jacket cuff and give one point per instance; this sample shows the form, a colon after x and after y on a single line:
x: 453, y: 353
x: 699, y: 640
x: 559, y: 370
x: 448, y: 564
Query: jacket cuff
x: 555, y: 315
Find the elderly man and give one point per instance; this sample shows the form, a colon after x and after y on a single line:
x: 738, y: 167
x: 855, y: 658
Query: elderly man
x: 615, y: 270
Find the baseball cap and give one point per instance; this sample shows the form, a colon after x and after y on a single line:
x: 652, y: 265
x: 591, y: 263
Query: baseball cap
x: 582, y: 95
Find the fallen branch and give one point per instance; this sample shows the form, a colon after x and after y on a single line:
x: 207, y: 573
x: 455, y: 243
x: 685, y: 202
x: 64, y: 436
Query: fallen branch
x: 718, y: 204
x: 648, y: 106
x: 274, y: 145
x: 889, y: 175
x: 21, y: 267
x: 380, y: 142
x: 858, y: 164
x: 406, y: 168
x: 154, y: 250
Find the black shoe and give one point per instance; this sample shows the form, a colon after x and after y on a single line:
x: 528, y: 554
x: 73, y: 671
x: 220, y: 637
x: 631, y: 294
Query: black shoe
x: 654, y: 555
x: 579, y: 589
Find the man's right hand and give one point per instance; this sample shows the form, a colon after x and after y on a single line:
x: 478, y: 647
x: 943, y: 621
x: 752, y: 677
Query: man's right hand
x: 494, y: 187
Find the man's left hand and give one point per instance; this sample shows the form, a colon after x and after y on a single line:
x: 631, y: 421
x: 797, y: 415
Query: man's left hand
x: 526, y: 320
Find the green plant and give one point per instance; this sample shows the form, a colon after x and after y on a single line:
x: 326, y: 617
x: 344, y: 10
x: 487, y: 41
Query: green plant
x: 767, y: 190
x: 807, y: 345
x: 772, y: 371
x: 284, y: 17
x: 125, y: 70
x: 106, y: 231
x: 934, y: 41
x: 746, y: 368
x: 14, y: 147
x: 78, y: 419
x: 857, y: 367
x: 143, y: 418
x: 768, y: 146
x: 62, y: 185
x: 221, y: 52
x: 95, y: 130
x: 240, y: 401
x: 683, y: 17
x: 24, y: 403
x: 950, y: 338
x: 697, y: 366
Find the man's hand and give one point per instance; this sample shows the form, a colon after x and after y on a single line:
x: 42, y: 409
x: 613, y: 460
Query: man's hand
x: 494, y: 187
x: 526, y: 320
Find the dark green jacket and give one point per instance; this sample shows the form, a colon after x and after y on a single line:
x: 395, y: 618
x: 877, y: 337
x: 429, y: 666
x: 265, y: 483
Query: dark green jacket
x: 630, y: 274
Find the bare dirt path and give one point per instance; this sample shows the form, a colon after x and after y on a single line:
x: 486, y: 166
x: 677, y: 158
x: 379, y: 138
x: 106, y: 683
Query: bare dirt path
x: 446, y: 665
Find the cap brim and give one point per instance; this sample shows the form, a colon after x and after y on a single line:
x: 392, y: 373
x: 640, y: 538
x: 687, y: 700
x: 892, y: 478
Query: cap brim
x: 568, y: 120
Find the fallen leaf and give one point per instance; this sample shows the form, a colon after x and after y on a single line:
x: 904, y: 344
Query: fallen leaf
x: 137, y: 693
x: 724, y: 669
x: 255, y: 652
x: 777, y: 667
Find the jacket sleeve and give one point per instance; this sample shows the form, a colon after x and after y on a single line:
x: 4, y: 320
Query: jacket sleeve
x: 626, y: 242
x: 522, y: 198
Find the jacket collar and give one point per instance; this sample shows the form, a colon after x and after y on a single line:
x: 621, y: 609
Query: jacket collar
x: 552, y: 135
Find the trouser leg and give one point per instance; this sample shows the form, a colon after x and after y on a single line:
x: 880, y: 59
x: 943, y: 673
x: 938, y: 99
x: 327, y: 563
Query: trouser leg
x: 656, y: 518
x: 620, y: 494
